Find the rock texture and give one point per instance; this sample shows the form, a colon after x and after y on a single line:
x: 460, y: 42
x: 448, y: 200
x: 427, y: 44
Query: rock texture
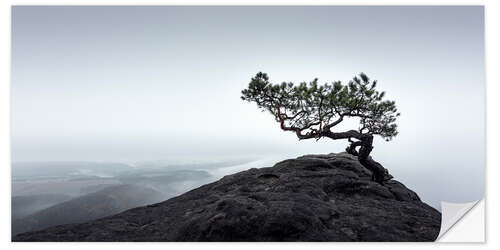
x: 311, y: 198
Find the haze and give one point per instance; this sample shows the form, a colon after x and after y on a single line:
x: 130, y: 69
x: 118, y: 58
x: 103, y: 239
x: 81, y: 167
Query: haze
x: 129, y: 84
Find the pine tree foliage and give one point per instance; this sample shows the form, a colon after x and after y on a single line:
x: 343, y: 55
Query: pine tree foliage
x: 311, y: 109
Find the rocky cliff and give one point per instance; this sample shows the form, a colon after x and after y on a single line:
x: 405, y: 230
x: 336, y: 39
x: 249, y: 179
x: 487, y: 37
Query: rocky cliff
x: 311, y: 198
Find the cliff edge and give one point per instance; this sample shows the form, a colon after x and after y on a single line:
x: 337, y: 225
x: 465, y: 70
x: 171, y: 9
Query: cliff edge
x: 310, y: 198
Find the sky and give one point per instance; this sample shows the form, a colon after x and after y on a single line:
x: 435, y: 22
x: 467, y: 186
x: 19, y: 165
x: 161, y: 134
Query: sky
x: 160, y: 83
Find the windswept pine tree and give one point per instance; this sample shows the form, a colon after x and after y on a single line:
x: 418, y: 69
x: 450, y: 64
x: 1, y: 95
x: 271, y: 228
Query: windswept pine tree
x: 312, y: 111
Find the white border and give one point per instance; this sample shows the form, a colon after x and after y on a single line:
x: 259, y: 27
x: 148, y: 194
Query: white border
x: 492, y: 67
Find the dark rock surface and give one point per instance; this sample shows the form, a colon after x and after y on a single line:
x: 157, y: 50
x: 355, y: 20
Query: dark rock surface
x: 311, y: 198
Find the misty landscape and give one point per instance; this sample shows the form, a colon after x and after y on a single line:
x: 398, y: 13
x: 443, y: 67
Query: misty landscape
x: 52, y: 193
x: 144, y: 123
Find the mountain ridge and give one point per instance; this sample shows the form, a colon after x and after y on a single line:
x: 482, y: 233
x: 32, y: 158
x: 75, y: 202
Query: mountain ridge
x: 101, y: 203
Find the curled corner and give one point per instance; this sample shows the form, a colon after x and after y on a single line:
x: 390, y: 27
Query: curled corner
x: 452, y: 213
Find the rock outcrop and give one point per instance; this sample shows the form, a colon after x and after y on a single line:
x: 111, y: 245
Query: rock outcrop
x: 311, y: 198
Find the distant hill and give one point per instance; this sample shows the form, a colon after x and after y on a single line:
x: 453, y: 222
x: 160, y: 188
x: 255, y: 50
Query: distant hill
x: 108, y: 201
x: 311, y: 198
x: 168, y: 182
x: 23, y: 170
x: 27, y: 204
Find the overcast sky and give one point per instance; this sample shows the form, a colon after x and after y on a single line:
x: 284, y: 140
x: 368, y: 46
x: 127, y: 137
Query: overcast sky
x: 151, y: 83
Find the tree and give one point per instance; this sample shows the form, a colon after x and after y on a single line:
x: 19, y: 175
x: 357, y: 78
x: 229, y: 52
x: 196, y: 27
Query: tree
x: 311, y: 111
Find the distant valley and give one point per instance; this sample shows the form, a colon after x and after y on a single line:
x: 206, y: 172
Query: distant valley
x: 53, y: 193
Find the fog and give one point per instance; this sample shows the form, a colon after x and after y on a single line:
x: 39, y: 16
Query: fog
x: 144, y: 84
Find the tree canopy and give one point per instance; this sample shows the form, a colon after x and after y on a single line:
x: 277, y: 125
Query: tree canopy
x: 312, y: 110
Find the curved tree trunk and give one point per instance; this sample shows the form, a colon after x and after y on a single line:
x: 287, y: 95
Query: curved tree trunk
x: 380, y: 174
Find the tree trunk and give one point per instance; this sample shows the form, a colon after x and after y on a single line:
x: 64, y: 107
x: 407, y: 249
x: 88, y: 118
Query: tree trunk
x: 379, y: 173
